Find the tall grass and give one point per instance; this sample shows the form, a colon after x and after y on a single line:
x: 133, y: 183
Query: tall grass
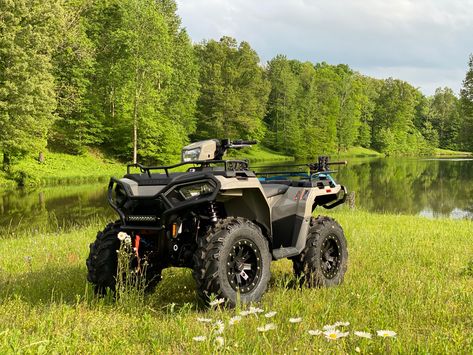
x: 405, y: 274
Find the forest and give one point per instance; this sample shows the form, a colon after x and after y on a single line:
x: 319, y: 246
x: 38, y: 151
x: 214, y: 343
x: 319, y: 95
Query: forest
x: 123, y: 77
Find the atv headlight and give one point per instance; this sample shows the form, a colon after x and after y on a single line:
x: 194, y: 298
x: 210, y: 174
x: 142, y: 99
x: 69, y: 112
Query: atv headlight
x: 190, y: 155
x: 190, y: 192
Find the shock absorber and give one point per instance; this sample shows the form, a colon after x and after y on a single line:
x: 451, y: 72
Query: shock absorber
x: 212, y: 212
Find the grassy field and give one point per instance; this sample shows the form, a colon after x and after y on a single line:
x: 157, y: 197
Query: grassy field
x: 407, y: 274
x: 445, y: 152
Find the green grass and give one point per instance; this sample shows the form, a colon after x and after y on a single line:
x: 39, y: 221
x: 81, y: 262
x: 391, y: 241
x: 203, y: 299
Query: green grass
x: 406, y: 274
x: 446, y: 152
x: 258, y: 153
x: 359, y: 152
x: 60, y: 168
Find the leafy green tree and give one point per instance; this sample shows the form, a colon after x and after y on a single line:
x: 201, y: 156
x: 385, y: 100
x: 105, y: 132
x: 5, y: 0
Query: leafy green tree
x: 74, y: 65
x: 28, y: 36
x: 144, y: 65
x: 393, y: 130
x: 284, y: 132
x: 445, y: 117
x: 234, y: 91
x: 466, y: 102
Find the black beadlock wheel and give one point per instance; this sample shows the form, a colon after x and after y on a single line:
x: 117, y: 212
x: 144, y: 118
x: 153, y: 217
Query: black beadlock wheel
x: 232, y: 261
x: 102, y: 262
x: 323, y: 262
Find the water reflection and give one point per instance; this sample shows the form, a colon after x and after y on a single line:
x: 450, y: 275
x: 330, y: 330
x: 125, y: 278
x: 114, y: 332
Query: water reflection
x: 427, y: 187
x: 50, y: 208
x: 432, y: 188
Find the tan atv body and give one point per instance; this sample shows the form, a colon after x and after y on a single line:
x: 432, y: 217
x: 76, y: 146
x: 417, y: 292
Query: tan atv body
x: 226, y: 222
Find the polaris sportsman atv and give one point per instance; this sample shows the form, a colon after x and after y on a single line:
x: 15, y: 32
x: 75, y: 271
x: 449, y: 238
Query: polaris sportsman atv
x: 224, y: 221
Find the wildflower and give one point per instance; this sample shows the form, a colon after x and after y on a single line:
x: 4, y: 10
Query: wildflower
x: 265, y: 328
x: 328, y: 327
x: 199, y: 338
x: 216, y: 302
x: 128, y: 240
x: 234, y: 320
x: 244, y: 313
x: 204, y: 320
x: 341, y: 324
x: 220, y: 327
x: 335, y: 334
x: 270, y: 314
x: 357, y: 349
x: 122, y: 236
x: 363, y: 335
x: 314, y: 332
x: 254, y: 310
x: 219, y: 341
x: 295, y: 320
x: 386, y: 333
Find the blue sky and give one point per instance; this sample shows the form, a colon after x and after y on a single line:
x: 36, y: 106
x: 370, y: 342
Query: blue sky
x: 426, y: 43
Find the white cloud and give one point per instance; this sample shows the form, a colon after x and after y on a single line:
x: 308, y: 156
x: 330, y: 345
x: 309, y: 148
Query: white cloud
x: 424, y: 42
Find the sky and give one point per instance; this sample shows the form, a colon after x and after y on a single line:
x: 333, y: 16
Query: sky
x: 426, y: 43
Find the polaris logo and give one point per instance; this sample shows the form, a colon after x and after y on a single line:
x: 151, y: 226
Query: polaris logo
x: 142, y: 218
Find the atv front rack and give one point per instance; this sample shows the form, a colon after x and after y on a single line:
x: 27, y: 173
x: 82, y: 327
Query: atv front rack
x: 228, y: 165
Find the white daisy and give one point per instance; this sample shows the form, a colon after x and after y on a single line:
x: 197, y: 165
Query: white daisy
x: 255, y: 310
x: 363, y: 334
x: 204, y: 320
x: 295, y: 320
x: 314, y: 332
x: 199, y: 338
x: 266, y: 327
x: 270, y: 314
x: 386, y: 333
x: 220, y: 327
x: 244, y: 313
x: 341, y: 324
x: 328, y: 327
x: 216, y: 302
x: 234, y: 320
x: 335, y: 334
x: 219, y: 341
x: 121, y: 236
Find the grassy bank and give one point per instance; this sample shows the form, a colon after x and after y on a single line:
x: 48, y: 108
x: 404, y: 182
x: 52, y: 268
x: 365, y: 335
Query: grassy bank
x: 406, y: 274
x: 59, y: 168
x: 448, y: 153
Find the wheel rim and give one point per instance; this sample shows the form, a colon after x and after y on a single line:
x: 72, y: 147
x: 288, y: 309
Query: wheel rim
x: 330, y: 256
x: 244, y: 266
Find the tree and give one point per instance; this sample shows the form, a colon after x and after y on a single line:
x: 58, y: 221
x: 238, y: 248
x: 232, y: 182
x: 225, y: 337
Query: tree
x: 74, y: 65
x: 466, y: 103
x: 144, y: 65
x: 284, y: 133
x: 28, y: 35
x: 234, y: 91
x: 445, y: 117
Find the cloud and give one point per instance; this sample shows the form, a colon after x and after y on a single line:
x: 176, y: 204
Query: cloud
x: 425, y: 42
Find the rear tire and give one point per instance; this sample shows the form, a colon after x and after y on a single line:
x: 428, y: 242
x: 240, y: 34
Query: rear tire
x: 232, y: 262
x: 323, y: 262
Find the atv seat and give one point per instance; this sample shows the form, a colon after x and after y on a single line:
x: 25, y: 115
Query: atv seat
x: 271, y: 190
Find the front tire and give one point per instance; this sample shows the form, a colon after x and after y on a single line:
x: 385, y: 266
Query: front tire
x: 323, y: 262
x: 103, y: 260
x: 232, y: 261
x: 102, y: 263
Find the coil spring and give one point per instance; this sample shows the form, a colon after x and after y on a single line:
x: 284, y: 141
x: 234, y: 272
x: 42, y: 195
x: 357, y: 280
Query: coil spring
x: 212, y: 212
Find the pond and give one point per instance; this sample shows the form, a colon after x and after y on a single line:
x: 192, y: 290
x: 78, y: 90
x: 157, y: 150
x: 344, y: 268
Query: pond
x: 427, y: 187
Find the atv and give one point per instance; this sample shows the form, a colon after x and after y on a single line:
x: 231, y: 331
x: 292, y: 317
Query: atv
x: 225, y: 222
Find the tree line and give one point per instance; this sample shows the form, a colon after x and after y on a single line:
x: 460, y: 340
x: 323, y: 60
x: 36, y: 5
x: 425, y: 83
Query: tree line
x: 124, y: 76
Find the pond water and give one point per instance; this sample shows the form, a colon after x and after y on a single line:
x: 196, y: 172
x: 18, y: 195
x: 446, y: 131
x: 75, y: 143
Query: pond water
x: 427, y: 187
